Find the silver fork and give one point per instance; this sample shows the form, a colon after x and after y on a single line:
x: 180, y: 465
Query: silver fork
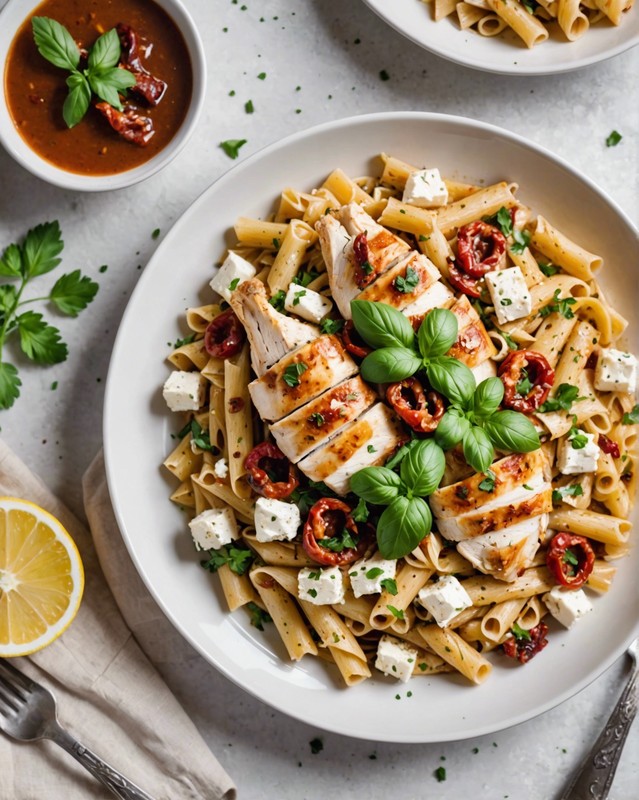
x: 28, y: 713
x: 594, y: 777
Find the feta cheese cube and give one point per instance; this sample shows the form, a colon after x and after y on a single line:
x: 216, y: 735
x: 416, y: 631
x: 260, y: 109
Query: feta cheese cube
x: 306, y: 303
x: 321, y: 587
x: 509, y: 293
x: 367, y: 575
x: 573, y: 461
x: 395, y: 658
x: 214, y: 528
x: 567, y: 606
x: 616, y: 371
x: 234, y: 271
x: 425, y: 189
x: 444, y: 599
x: 221, y: 468
x: 276, y: 520
x: 184, y: 391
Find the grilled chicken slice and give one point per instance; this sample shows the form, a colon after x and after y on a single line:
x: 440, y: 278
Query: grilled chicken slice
x: 326, y: 362
x: 473, y: 346
x: 271, y: 334
x: 428, y: 292
x: 312, y: 424
x: 505, y: 554
x: 367, y: 442
x: 337, y: 235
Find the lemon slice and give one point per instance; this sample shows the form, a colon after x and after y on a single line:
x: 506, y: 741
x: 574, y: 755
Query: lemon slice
x: 41, y: 578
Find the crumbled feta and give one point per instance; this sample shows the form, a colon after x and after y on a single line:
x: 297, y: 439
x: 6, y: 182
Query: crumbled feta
x: 444, y: 599
x: 306, y: 303
x: 184, y: 391
x: 234, y: 271
x: 276, y: 520
x: 221, y: 468
x: 426, y: 189
x: 367, y: 575
x: 395, y: 658
x: 573, y: 461
x: 567, y: 606
x: 509, y: 293
x: 321, y: 587
x: 214, y: 528
x: 616, y: 371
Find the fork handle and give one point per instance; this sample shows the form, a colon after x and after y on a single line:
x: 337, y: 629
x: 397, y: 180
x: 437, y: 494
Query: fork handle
x: 120, y: 786
x: 595, y: 775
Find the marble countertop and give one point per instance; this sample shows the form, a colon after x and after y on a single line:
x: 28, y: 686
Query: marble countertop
x: 333, y: 51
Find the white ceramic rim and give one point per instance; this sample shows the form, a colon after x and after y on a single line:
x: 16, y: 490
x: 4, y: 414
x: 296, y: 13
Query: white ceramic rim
x: 11, y: 18
x: 113, y: 421
x: 430, y: 38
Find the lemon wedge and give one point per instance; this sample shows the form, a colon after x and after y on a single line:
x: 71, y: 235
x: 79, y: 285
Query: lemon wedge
x: 41, y: 578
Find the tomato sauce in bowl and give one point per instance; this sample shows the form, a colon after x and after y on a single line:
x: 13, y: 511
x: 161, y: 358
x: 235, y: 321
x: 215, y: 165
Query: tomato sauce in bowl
x: 35, y: 90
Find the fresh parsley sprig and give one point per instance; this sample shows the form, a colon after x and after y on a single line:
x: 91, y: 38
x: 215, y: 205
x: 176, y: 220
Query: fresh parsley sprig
x: 36, y: 255
x: 102, y: 76
x: 473, y: 417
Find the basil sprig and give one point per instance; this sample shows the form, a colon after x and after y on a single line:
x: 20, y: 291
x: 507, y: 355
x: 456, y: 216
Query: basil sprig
x: 472, y: 418
x: 407, y: 519
x: 102, y: 76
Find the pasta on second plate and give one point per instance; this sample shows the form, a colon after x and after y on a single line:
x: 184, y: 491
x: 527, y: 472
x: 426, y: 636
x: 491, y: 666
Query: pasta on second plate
x: 410, y: 427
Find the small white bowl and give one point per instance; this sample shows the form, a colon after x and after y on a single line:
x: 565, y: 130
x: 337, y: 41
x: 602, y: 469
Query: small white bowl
x: 11, y: 19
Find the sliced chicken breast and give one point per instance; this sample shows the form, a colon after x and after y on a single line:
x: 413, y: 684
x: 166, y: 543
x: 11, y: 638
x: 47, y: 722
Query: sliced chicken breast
x: 384, y: 247
x: 337, y: 252
x: 473, y: 345
x: 314, y: 423
x: 327, y: 364
x: 505, y: 554
x: 271, y: 335
x: 366, y: 442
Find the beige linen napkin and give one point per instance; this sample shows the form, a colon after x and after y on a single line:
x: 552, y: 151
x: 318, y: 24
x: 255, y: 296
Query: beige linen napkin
x: 109, y: 694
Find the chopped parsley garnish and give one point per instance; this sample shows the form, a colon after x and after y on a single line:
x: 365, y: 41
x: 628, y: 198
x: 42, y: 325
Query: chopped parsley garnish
x: 383, y: 75
x: 262, y: 76
x: 249, y: 107
x: 631, y: 417
x: 524, y: 385
x: 239, y: 559
x: 520, y: 633
x: 373, y: 573
x: 258, y: 617
x: 155, y: 233
x: 389, y: 585
x: 577, y: 438
x: 304, y: 278
x: 521, y: 241
x: 232, y: 147
x: 54, y: 386
x: 488, y: 484
x: 298, y: 296
x: 181, y: 342
x: 360, y: 512
x: 396, y: 612
x: 613, y: 139
x: 277, y: 301
x: 276, y: 243
x: 530, y: 5
x: 338, y: 543
x: 570, y: 558
x: 367, y: 267
x: 312, y: 592
x: 548, y: 269
x: 512, y: 344
x: 291, y: 376
x: 332, y: 325
x: 572, y: 490
x: 317, y: 419
x: 440, y: 774
x: 234, y: 284
x: 407, y: 284
x: 199, y: 436
x: 564, y: 397
x: 317, y: 745
x: 371, y: 449
x: 559, y: 305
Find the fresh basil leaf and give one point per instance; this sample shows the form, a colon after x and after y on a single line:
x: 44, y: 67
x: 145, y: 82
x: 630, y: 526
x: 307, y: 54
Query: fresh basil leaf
x: 487, y: 397
x: 11, y: 262
x: 105, y: 90
x: 451, y: 429
x: 40, y: 341
x: 565, y: 396
x: 73, y: 292
x: 402, y: 526
x: 631, y: 417
x: 377, y: 485
x: 76, y: 103
x: 10, y: 385
x: 403, y: 451
x: 510, y: 430
x: 454, y: 380
x: 423, y: 467
x: 381, y: 325
x: 389, y: 365
x: 478, y: 449
x: 105, y: 53
x: 41, y: 246
x: 437, y: 333
x: 55, y: 43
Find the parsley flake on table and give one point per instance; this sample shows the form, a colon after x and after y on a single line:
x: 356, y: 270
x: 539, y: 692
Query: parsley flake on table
x: 41, y: 342
x: 613, y: 139
x: 232, y: 147
x: 316, y: 745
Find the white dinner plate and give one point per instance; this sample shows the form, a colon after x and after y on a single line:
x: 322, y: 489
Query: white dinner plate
x: 138, y: 427
x: 506, y: 53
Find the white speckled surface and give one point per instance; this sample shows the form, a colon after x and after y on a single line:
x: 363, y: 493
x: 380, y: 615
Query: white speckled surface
x: 312, y: 45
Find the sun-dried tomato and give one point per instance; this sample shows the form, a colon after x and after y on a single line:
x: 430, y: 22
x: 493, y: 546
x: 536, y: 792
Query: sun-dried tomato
x: 420, y: 410
x: 271, y: 474
x: 353, y: 342
x: 146, y: 85
x: 330, y: 518
x: 570, y: 558
x: 523, y: 648
x: 224, y: 335
x: 133, y: 127
x: 515, y: 368
x: 462, y: 282
x: 608, y: 446
x: 481, y: 247
x: 364, y: 272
